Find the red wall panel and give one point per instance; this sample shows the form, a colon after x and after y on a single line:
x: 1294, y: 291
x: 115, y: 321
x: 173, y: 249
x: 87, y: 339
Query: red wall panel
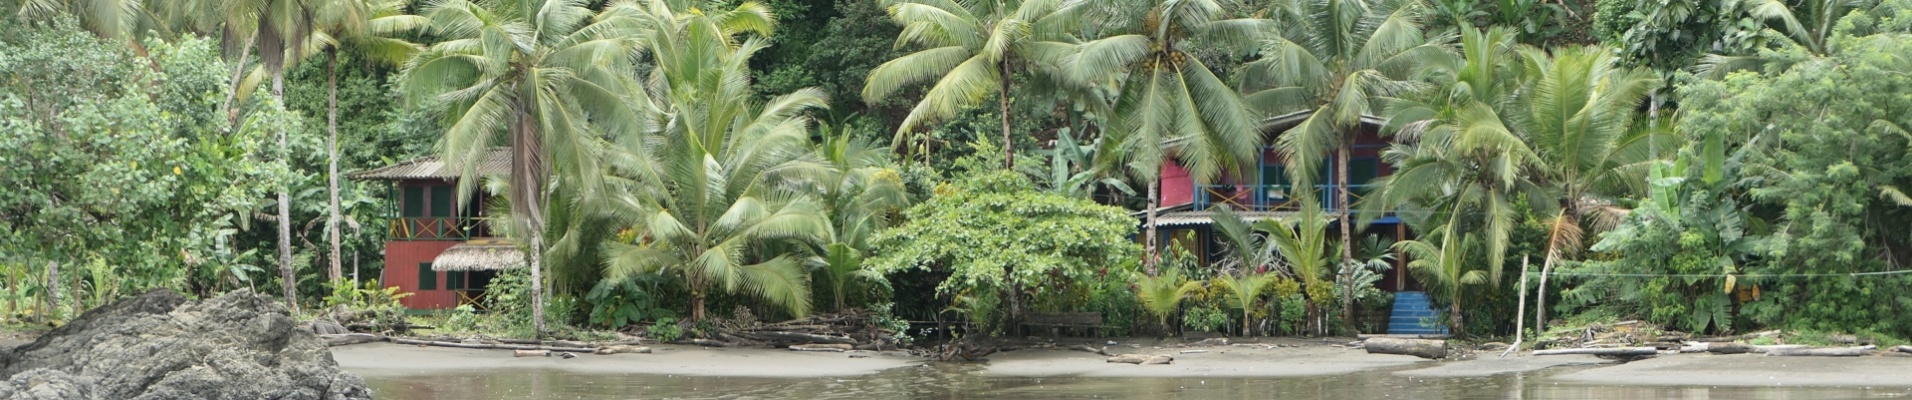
x: 1177, y: 189
x: 401, y: 270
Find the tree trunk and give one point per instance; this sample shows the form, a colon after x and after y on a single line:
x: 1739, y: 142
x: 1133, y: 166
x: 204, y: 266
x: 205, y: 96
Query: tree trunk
x: 1152, y: 255
x: 537, y: 282
x: 1244, y: 319
x: 1008, y: 145
x: 697, y: 305
x: 288, y: 279
x: 238, y: 73
x: 337, y: 272
x: 52, y: 288
x: 1347, y: 238
x: 1540, y: 298
x: 1423, y: 348
x: 1459, y: 322
x: 1520, y: 311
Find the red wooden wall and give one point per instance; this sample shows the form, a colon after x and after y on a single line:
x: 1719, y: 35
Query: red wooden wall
x: 401, y: 270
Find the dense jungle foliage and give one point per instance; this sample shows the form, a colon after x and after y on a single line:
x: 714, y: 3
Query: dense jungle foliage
x: 1706, y: 165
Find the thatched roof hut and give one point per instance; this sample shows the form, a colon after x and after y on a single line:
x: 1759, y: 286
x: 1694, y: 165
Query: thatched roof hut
x: 479, y: 257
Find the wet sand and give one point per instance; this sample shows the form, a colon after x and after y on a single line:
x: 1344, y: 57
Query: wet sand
x: 386, y: 359
x: 1752, y: 370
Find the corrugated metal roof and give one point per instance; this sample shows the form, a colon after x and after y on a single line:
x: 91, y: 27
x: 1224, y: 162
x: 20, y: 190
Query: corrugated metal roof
x: 497, y: 162
x: 1188, y: 218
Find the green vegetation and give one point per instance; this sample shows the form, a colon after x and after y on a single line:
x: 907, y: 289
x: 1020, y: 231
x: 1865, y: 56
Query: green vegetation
x: 1709, y: 166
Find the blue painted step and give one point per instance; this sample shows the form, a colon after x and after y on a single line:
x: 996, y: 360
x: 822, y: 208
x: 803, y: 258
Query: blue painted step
x: 1413, y: 315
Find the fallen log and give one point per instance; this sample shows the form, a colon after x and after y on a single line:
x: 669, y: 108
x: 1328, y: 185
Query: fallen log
x: 1902, y: 349
x: 1777, y: 347
x: 836, y: 347
x: 350, y: 338
x: 1130, y: 358
x: 623, y: 349
x: 530, y: 353
x: 795, y: 337
x: 1826, y: 352
x: 1606, y: 351
x: 1423, y: 348
x: 700, y: 342
x: 1084, y: 347
x: 1159, y: 360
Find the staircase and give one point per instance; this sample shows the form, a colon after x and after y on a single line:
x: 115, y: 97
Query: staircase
x: 1410, y: 309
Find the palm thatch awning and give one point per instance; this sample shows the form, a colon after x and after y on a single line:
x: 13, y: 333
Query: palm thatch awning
x: 1190, y: 218
x: 479, y: 257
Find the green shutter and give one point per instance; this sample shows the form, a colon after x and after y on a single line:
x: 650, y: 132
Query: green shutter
x: 427, y: 278
x: 442, y: 201
x: 454, y: 280
x: 414, y: 202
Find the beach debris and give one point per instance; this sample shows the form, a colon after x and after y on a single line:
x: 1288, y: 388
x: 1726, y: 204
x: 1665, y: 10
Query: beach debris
x: 530, y: 353
x: 860, y: 354
x: 858, y: 328
x: 1602, y: 351
x: 1142, y: 359
x: 836, y: 347
x: 1212, y: 342
x: 1084, y: 347
x: 1826, y: 352
x: 342, y: 339
x: 567, y: 355
x: 488, y: 345
x: 1193, y: 351
x: 623, y: 349
x: 1423, y: 348
x: 1902, y: 349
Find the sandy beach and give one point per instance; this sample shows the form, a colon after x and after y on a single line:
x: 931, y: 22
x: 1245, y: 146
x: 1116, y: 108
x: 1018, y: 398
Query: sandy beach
x: 1239, y: 360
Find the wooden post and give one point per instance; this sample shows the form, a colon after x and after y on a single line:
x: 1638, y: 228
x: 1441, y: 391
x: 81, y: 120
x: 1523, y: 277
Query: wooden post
x: 1520, y: 312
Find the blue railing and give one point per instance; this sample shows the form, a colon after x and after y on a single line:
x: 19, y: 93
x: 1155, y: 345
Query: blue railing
x: 1268, y: 197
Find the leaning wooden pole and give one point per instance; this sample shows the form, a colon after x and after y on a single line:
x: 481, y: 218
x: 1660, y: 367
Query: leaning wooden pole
x: 1520, y: 311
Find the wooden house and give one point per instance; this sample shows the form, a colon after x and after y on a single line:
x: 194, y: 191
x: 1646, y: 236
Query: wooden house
x: 439, y: 249
x: 1185, y: 218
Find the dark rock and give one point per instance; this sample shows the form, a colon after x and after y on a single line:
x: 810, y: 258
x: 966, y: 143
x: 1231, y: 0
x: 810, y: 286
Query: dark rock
x: 160, y: 346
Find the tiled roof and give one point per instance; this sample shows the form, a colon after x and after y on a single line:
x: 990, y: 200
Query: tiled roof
x: 496, y: 162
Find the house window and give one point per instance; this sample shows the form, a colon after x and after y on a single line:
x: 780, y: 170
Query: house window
x: 427, y: 278
x: 455, y: 280
x: 1363, y: 170
x: 441, y: 201
x: 414, y: 202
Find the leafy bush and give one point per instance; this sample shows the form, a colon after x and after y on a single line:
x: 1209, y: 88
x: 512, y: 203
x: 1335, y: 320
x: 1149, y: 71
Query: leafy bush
x: 665, y: 330
x: 1206, y: 318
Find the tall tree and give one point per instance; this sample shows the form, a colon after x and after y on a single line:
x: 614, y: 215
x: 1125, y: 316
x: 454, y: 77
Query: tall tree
x: 365, y: 29
x: 282, y: 30
x: 1338, y: 60
x: 1169, y: 99
x: 973, y: 50
x: 539, y: 76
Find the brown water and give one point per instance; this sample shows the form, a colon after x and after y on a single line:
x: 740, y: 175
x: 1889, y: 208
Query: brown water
x: 967, y: 382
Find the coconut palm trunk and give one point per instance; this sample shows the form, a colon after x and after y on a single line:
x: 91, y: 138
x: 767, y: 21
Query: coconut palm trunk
x: 1008, y: 143
x: 238, y: 72
x: 1347, y: 235
x: 336, y: 273
x: 1152, y: 253
x: 288, y: 279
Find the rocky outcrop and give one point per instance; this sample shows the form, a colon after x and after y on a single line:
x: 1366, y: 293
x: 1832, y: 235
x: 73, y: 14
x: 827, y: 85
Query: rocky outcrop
x: 160, y: 346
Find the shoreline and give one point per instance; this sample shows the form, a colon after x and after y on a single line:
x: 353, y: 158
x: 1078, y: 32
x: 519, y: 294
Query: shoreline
x: 386, y: 360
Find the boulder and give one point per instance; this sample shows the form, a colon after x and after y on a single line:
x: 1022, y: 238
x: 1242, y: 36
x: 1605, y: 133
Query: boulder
x: 160, y: 346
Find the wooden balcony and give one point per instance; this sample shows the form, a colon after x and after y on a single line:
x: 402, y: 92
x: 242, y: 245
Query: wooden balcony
x: 1267, y: 197
x: 436, y: 228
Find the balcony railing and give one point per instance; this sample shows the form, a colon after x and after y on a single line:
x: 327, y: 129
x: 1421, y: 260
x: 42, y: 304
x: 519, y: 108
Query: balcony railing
x: 437, y: 228
x: 1268, y: 197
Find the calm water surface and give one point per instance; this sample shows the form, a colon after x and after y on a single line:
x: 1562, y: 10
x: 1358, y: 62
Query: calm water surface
x: 966, y: 382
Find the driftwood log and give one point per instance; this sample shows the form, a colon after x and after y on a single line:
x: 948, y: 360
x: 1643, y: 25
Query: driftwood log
x: 836, y: 347
x: 350, y: 338
x: 1084, y: 347
x: 700, y: 342
x: 1423, y: 348
x: 1902, y: 349
x: 623, y: 349
x: 1142, y: 359
x: 490, y: 346
x: 530, y: 353
x: 1826, y: 352
x: 1603, y: 351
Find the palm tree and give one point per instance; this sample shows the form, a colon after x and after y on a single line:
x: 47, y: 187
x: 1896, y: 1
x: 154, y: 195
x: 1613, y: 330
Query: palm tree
x: 858, y: 195
x: 1302, y: 242
x: 1337, y: 60
x: 1244, y: 290
x: 1577, y: 121
x: 1170, y: 98
x: 1251, y: 264
x: 1161, y: 295
x: 724, y: 178
x: 540, y: 76
x: 1444, y: 267
x: 282, y: 30
x: 364, y: 28
x: 973, y: 49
